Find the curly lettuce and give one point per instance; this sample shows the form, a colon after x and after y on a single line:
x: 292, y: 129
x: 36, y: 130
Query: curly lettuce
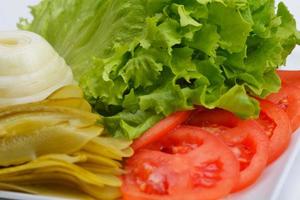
x: 140, y: 60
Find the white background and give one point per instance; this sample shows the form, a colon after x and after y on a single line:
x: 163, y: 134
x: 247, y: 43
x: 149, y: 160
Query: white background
x: 287, y: 186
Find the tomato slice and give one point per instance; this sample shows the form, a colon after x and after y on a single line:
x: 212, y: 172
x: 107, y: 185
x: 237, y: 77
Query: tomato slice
x: 252, y: 153
x: 288, y: 99
x: 246, y: 139
x: 160, y: 129
x: 206, y: 118
x: 290, y: 77
x: 276, y: 125
x: 187, y: 163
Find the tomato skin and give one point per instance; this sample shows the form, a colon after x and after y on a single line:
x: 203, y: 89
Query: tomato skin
x: 196, y: 165
x: 281, y: 130
x: 237, y: 133
x: 288, y: 99
x: 160, y: 129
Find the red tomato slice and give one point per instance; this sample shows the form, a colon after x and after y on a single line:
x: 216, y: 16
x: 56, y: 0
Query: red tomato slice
x: 206, y: 118
x: 246, y: 139
x: 276, y: 125
x: 187, y: 163
x: 290, y: 77
x: 252, y: 153
x: 288, y: 99
x: 160, y: 129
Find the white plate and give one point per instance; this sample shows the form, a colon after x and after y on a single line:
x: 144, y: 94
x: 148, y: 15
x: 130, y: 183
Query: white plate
x: 280, y: 181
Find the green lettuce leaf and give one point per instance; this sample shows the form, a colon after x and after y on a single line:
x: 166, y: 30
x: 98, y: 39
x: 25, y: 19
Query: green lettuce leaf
x: 140, y: 60
x: 82, y: 29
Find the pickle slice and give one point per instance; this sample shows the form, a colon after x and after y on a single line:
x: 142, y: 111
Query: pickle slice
x: 101, y: 169
x: 16, y: 188
x: 98, y: 160
x: 74, y: 117
x: 54, y: 169
x: 77, y: 103
x: 109, y: 147
x: 54, y: 147
x: 20, y: 148
x: 69, y: 91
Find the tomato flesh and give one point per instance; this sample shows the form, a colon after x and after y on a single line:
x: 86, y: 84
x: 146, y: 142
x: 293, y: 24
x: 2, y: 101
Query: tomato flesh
x: 290, y: 77
x: 245, y: 139
x: 147, y: 176
x: 206, y: 174
x: 252, y: 155
x: 216, y: 118
x: 288, y: 99
x: 149, y: 180
x: 243, y: 152
x: 276, y: 125
x: 188, y: 163
x: 160, y: 129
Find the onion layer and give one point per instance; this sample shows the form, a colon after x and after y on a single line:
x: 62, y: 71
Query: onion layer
x: 30, y: 69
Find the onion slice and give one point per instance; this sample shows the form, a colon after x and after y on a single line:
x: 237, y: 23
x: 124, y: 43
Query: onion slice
x: 30, y: 69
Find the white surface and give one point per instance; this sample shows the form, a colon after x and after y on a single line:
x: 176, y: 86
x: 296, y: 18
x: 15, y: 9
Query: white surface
x: 280, y: 181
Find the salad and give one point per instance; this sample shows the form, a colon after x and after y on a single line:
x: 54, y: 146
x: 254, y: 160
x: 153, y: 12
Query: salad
x: 146, y: 99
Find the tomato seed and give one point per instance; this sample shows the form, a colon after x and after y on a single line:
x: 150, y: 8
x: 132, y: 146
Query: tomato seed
x: 206, y: 174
